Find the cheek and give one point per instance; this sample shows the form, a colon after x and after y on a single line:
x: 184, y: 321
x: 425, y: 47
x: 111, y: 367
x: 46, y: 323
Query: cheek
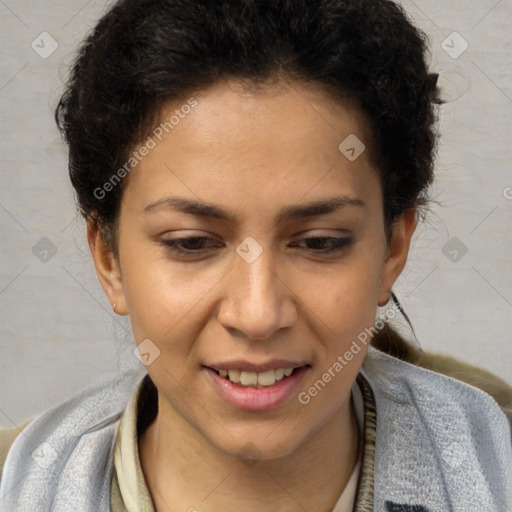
x: 165, y: 308
x: 346, y: 300
x: 346, y: 304
x: 162, y: 297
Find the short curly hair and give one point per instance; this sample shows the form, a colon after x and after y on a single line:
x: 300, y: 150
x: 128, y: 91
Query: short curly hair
x: 145, y: 53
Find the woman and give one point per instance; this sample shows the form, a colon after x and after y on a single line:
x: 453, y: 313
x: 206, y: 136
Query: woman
x: 251, y: 175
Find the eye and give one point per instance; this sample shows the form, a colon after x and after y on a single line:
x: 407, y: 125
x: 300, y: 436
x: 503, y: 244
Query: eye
x: 189, y: 246
x: 325, y: 244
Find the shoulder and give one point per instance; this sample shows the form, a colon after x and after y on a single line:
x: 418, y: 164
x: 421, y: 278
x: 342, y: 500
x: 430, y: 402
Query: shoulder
x: 7, y: 437
x: 439, y: 375
x: 435, y: 387
x: 84, y: 424
x: 95, y: 406
x: 390, y: 342
x: 448, y: 441
x: 475, y: 376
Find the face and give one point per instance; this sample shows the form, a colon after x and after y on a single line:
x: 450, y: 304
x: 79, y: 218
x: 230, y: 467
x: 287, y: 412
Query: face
x: 250, y: 244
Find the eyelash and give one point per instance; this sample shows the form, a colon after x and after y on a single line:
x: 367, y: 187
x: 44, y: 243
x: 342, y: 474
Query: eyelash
x: 339, y: 244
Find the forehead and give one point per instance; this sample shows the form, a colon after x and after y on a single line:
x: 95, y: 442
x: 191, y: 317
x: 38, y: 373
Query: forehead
x: 253, y: 114
x: 238, y: 142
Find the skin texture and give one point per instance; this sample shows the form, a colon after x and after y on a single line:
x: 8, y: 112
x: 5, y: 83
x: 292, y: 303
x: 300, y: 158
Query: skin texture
x: 252, y: 153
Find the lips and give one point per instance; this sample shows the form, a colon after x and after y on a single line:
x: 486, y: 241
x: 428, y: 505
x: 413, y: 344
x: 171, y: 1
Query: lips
x: 240, y: 385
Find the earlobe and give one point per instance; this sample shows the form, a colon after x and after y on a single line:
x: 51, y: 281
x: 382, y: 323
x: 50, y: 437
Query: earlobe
x: 403, y: 230
x: 107, y: 267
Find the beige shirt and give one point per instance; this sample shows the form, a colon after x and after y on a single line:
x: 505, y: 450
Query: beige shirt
x: 129, y: 491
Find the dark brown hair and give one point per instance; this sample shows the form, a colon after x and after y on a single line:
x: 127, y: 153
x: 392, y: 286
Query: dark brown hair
x: 144, y: 53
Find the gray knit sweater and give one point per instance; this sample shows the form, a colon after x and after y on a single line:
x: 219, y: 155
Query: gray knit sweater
x: 441, y: 445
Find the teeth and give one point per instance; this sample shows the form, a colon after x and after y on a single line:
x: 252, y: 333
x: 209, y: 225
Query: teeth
x: 279, y: 373
x: 267, y: 378
x: 248, y: 378
x: 261, y: 379
x: 234, y: 376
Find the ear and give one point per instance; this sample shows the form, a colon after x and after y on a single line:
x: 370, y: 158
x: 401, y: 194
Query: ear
x: 107, y: 267
x: 403, y: 230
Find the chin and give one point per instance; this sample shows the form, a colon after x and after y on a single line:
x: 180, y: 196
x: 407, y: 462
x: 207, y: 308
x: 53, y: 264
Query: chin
x: 269, y: 444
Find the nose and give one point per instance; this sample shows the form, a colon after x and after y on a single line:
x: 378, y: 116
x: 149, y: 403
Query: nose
x: 257, y: 301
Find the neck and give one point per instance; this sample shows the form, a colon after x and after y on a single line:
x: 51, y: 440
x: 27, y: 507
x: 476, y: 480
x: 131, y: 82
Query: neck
x: 184, y: 471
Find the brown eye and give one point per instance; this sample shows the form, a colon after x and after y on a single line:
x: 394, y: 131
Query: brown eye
x: 188, y: 246
x: 326, y: 244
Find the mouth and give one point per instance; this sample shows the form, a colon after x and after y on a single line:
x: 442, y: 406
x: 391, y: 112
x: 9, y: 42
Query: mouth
x: 249, y: 390
x: 256, y: 380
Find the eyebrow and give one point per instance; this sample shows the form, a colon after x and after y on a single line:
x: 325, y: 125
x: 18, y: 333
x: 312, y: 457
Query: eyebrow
x: 209, y: 210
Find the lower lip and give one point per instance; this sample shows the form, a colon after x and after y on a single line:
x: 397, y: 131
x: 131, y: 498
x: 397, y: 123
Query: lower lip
x: 253, y: 399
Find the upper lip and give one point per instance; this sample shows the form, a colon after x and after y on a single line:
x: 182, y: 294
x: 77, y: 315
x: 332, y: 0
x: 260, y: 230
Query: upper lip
x: 248, y: 366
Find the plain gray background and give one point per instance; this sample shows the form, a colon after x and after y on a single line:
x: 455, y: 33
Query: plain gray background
x: 58, y: 333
